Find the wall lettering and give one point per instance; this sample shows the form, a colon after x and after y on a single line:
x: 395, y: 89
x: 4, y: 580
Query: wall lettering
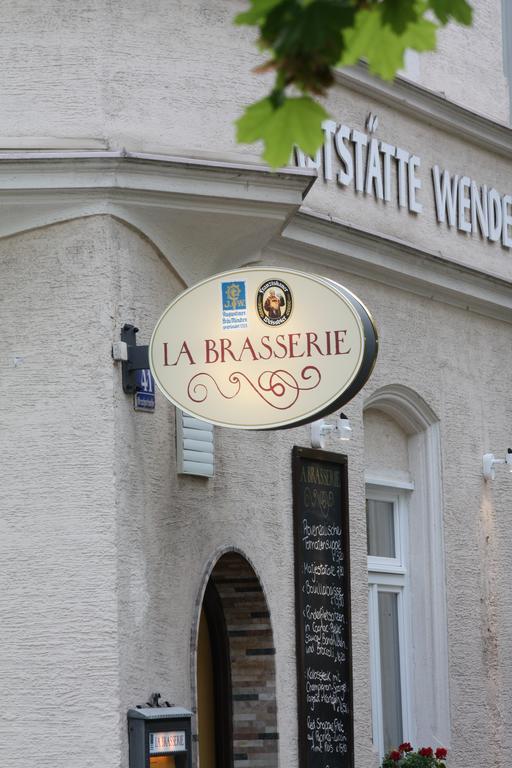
x: 386, y: 172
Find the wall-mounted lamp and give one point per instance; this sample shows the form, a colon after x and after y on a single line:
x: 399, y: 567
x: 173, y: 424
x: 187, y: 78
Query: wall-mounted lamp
x: 489, y: 463
x: 320, y: 428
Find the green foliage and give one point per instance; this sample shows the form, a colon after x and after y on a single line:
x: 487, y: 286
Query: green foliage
x: 260, y: 9
x: 412, y: 760
x: 307, y: 39
x: 377, y: 39
x: 295, y: 121
x: 446, y: 10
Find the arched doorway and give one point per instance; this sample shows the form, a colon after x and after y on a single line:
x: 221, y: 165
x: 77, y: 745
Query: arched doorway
x: 236, y: 693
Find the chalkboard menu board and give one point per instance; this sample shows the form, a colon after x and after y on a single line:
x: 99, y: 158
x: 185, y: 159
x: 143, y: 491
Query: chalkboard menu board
x: 322, y: 586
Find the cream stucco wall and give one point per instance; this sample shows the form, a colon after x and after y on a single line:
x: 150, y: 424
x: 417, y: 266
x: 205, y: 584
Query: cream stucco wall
x: 153, y: 76
x: 453, y: 360
x: 124, y: 75
x: 104, y: 549
x: 111, y: 576
x: 58, y: 603
x: 385, y: 444
x: 447, y: 356
x: 466, y: 56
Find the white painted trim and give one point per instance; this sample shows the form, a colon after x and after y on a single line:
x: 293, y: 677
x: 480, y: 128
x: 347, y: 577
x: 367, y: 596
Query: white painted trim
x: 390, y: 564
x: 88, y: 171
x: 428, y: 545
x: 289, y: 178
x: 399, y: 589
x: 205, y: 216
x: 385, y: 480
x: 387, y: 576
x: 375, y: 676
x: 48, y: 187
x: 42, y: 188
x: 428, y: 615
x: 327, y: 241
x: 391, y: 575
x: 404, y: 617
x: 429, y: 107
x: 404, y: 405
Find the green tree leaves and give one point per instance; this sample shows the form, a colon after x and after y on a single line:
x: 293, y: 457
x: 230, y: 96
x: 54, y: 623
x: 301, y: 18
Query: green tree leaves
x: 297, y: 121
x: 374, y: 37
x: 446, y: 10
x: 260, y: 9
x: 307, y: 39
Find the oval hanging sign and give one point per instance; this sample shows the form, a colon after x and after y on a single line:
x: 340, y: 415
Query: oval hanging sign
x: 262, y: 348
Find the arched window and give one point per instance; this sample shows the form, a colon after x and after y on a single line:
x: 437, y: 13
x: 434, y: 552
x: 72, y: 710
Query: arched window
x: 407, y: 603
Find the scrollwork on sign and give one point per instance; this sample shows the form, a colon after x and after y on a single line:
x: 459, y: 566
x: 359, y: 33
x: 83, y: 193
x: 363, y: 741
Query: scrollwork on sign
x: 271, y: 386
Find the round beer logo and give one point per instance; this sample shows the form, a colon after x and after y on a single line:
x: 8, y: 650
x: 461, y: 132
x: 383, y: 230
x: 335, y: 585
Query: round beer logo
x: 274, y: 302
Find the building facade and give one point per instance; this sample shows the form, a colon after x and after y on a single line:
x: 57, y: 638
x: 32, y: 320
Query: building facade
x: 121, y: 186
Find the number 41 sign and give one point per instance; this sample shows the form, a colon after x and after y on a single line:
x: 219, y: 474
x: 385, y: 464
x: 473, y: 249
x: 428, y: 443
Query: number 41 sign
x: 144, y: 397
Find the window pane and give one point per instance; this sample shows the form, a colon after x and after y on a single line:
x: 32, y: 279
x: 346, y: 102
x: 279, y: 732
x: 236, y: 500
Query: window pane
x: 390, y: 669
x: 380, y: 527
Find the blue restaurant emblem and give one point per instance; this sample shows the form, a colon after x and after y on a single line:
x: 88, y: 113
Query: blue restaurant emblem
x: 234, y: 305
x: 233, y: 296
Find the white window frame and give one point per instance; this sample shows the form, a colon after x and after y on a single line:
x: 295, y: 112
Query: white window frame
x: 391, y: 564
x: 387, y: 574
x: 429, y: 669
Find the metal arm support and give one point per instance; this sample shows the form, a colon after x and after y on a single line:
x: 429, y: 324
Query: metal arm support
x: 137, y: 358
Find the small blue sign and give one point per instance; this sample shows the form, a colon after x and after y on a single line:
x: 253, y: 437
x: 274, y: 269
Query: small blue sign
x: 144, y: 397
x: 233, y: 296
x: 234, y: 305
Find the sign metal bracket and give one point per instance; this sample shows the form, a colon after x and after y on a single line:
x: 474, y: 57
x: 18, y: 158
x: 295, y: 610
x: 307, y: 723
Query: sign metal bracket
x: 137, y: 358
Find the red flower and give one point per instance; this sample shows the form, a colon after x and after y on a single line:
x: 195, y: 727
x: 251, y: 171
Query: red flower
x: 441, y: 753
x: 405, y: 747
x: 426, y: 752
x: 394, y: 755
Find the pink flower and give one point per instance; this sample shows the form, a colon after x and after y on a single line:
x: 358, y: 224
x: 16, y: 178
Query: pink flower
x: 426, y: 752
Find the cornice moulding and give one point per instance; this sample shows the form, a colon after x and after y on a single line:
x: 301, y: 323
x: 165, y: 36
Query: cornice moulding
x: 206, y: 216
x: 203, y: 215
x: 430, y: 108
x: 137, y: 171
x: 323, y: 240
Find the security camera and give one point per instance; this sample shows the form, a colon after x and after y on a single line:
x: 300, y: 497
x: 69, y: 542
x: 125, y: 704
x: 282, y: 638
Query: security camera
x: 320, y: 428
x: 343, y: 428
x: 489, y: 462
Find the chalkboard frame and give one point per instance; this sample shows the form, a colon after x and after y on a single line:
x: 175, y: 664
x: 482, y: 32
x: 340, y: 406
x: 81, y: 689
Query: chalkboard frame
x: 328, y: 457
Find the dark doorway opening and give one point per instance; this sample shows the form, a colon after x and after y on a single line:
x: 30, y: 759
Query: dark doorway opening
x: 237, y: 714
